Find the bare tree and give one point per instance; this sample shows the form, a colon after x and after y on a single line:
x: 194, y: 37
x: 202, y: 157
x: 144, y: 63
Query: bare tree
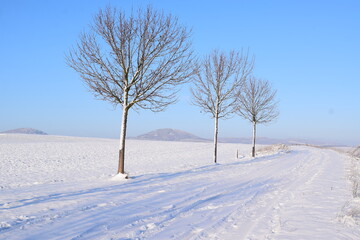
x: 134, y: 60
x: 256, y: 103
x: 216, y: 83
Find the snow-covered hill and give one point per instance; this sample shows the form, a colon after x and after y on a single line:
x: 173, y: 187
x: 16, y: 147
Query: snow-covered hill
x: 26, y: 131
x: 61, y: 188
x: 169, y: 134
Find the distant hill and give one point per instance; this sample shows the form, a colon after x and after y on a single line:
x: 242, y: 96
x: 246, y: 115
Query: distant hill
x: 288, y: 141
x: 168, y: 134
x: 259, y: 140
x: 26, y: 131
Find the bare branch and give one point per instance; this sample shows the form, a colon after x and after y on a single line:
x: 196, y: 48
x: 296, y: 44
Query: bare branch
x: 257, y: 102
x: 146, y: 54
x: 135, y: 60
x: 217, y: 82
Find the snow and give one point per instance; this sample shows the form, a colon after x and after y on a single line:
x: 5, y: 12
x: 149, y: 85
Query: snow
x: 56, y: 187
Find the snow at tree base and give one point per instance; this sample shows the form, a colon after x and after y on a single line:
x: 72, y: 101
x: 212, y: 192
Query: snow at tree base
x: 54, y: 187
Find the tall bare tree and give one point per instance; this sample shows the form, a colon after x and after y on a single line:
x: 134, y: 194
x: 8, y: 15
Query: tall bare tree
x: 134, y: 60
x: 256, y: 103
x: 216, y: 83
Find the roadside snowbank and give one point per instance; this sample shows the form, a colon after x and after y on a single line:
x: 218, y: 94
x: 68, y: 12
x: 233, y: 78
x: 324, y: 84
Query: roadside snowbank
x: 356, y: 152
x: 350, y: 214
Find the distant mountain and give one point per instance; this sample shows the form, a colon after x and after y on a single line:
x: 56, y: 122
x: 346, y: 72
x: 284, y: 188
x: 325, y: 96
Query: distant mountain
x: 168, y: 134
x: 26, y: 131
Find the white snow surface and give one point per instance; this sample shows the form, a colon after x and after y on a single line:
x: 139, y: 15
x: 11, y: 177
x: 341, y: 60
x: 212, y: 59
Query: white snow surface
x: 54, y: 187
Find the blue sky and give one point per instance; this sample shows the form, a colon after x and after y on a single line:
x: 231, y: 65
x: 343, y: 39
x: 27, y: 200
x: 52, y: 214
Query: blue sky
x: 308, y: 50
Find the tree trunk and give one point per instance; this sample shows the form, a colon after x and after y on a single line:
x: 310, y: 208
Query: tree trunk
x: 254, y: 137
x: 121, y: 168
x: 216, y: 137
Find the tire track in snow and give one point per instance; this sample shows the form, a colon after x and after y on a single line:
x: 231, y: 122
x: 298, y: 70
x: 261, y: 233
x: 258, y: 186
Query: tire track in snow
x: 303, y: 174
x: 305, y: 202
x: 175, y: 186
x: 230, y: 197
x: 319, y: 202
x: 248, y: 199
x: 146, y: 192
x: 201, y: 208
x: 262, y: 213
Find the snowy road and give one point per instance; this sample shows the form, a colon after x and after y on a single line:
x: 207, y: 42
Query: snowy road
x: 297, y: 195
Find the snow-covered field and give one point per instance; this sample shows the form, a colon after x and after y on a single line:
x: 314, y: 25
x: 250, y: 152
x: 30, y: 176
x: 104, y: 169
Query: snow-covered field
x: 54, y: 187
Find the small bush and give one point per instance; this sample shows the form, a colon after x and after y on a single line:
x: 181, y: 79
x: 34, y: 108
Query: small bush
x: 276, y: 148
x: 350, y: 213
x: 356, y: 152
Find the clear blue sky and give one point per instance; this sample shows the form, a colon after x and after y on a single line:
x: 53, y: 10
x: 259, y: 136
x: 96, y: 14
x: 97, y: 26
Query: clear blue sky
x: 309, y: 50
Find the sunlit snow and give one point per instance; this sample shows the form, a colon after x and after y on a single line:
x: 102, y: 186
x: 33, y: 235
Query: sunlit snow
x: 54, y: 187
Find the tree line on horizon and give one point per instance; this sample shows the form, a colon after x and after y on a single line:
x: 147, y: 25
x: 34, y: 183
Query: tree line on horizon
x: 139, y: 60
